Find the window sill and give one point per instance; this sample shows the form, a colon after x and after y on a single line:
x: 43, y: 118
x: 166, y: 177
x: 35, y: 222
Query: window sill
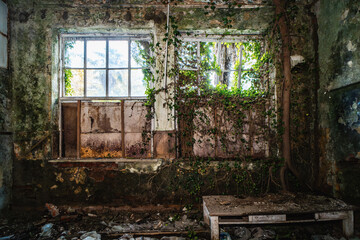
x: 105, y: 160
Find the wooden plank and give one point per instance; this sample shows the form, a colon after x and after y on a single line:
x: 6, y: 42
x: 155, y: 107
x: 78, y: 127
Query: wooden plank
x: 267, y: 218
x: 243, y: 222
x: 214, y: 226
x: 331, y: 215
x: 348, y: 224
x: 78, y: 130
x: 272, y: 204
x: 206, y: 214
x: 123, y: 127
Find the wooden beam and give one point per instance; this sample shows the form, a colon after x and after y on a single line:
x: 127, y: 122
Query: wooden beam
x: 348, y: 224
x: 214, y: 226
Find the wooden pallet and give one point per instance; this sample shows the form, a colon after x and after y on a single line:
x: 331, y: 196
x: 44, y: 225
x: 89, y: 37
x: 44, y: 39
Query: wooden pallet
x: 275, y: 209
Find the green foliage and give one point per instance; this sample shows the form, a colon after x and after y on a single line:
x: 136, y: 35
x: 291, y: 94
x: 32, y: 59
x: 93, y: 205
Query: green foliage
x: 69, y: 91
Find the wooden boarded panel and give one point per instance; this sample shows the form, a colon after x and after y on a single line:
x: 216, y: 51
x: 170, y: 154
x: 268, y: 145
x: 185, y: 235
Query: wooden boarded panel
x: 69, y: 117
x: 101, y: 130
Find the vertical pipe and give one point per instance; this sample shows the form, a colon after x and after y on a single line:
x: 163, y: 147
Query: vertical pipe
x: 166, y: 46
x: 60, y: 93
x: 78, y: 130
x: 123, y: 128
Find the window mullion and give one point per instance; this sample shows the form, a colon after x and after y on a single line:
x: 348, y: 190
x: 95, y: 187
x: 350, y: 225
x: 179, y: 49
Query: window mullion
x: 240, y: 67
x: 107, y: 67
x: 218, y: 78
x: 85, y: 66
x: 129, y: 68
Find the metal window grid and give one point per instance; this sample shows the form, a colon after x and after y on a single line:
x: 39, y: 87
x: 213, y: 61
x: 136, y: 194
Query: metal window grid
x: 85, y: 39
x: 218, y: 52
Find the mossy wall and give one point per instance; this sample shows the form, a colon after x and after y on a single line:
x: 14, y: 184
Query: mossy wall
x: 339, y: 121
x: 35, y: 27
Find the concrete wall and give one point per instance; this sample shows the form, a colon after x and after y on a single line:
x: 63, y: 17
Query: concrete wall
x: 35, y: 28
x: 339, y: 121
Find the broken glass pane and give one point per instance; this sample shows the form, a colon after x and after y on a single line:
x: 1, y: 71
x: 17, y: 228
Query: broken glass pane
x: 74, y: 82
x: 208, y: 55
x: 118, y: 83
x: 96, y: 83
x: 74, y: 54
x: 118, y: 54
x: 231, y: 79
x: 138, y: 83
x: 96, y: 54
x: 210, y: 78
x: 187, y: 56
x: 140, y: 53
x: 229, y: 56
x: 248, y: 80
x: 249, y: 57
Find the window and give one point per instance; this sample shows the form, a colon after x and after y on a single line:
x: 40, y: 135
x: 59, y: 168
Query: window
x: 105, y: 67
x: 217, y: 62
x: 3, y: 35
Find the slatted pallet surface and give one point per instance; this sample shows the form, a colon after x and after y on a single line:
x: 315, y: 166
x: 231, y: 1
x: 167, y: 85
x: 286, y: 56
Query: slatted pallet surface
x: 275, y: 209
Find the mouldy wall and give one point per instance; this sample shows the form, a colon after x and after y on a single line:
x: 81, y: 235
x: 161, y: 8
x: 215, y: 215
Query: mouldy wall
x: 339, y: 104
x: 304, y: 71
x: 35, y: 26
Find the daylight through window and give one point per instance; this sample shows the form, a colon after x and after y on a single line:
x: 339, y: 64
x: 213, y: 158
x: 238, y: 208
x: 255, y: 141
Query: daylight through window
x: 213, y: 63
x: 105, y: 67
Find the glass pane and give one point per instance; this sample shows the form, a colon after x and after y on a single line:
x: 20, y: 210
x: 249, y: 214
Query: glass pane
x: 138, y: 83
x: 3, y: 52
x: 209, y: 77
x: 230, y: 56
x: 74, y: 83
x: 140, y: 52
x: 247, y: 80
x: 188, y: 55
x: 3, y: 17
x: 96, y: 54
x: 208, y: 55
x: 231, y: 79
x: 96, y: 83
x: 118, y: 54
x: 249, y: 59
x: 74, y: 54
x: 118, y: 83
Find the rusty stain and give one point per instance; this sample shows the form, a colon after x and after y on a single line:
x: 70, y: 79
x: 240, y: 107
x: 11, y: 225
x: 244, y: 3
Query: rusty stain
x: 59, y: 177
x: 77, y: 174
x: 78, y: 190
x: 88, y: 152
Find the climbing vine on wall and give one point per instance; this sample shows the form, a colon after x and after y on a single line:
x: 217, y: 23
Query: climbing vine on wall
x: 217, y: 117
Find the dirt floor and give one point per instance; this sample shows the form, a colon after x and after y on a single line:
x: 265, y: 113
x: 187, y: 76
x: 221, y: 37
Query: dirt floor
x: 151, y: 224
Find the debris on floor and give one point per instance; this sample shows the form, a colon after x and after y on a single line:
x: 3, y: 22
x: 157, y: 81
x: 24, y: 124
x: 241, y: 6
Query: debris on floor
x: 72, y: 224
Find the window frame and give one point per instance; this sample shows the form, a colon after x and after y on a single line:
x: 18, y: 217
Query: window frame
x: 198, y: 38
x: 107, y: 38
x: 5, y: 34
